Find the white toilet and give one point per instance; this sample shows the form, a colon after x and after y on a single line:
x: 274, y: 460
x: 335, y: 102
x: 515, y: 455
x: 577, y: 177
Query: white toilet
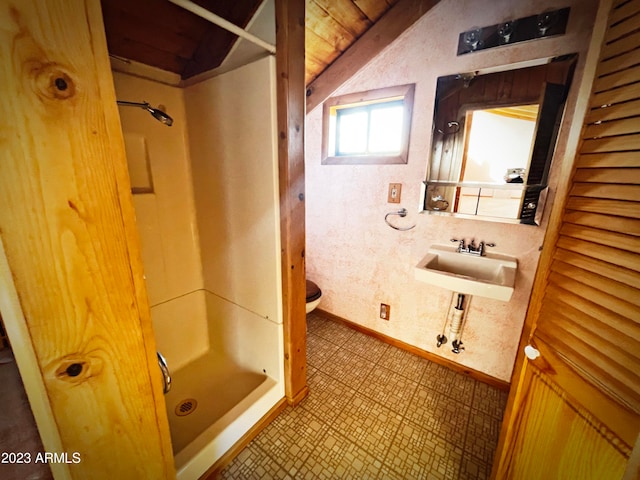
x: 313, y: 295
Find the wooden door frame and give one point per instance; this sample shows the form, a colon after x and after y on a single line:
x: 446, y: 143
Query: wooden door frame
x: 290, y: 29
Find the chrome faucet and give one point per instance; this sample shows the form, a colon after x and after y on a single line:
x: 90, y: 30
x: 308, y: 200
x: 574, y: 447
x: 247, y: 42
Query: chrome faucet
x: 471, y: 247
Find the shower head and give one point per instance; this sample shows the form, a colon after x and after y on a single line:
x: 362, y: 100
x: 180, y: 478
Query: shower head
x: 156, y: 112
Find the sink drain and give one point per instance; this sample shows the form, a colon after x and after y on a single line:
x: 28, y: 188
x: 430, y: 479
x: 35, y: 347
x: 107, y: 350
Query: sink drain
x: 186, y: 407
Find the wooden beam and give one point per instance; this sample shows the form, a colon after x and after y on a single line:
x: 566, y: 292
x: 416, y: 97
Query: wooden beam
x: 399, y: 17
x: 291, y: 117
x: 71, y: 282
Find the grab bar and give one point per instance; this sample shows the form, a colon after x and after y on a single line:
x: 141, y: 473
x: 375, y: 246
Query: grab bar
x: 166, y: 376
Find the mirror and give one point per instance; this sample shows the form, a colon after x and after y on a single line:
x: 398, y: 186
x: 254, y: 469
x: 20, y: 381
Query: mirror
x: 493, y: 140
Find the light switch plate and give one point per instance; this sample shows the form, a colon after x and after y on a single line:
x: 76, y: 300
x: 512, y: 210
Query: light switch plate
x: 385, y: 311
x: 394, y: 193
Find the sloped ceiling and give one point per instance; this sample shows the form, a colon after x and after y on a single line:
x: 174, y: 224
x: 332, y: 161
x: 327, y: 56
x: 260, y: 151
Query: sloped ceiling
x: 163, y: 35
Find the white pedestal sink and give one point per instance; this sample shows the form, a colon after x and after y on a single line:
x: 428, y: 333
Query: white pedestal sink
x: 490, y: 276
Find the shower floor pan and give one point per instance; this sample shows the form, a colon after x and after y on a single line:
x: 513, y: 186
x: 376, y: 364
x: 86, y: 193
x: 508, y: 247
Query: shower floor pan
x: 202, y: 392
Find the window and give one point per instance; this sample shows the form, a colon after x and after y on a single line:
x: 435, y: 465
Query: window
x: 369, y: 127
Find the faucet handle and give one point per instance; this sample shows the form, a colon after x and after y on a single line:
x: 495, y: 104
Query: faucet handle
x: 461, y: 245
x: 482, y: 246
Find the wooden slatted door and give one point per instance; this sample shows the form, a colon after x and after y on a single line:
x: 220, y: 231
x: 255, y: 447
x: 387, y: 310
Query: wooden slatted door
x: 576, y: 408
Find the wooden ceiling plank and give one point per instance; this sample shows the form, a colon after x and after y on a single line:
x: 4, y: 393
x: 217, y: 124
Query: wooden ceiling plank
x: 346, y: 14
x: 399, y: 17
x: 313, y: 67
x: 217, y: 42
x: 373, y: 9
x: 123, y: 47
x: 323, y: 25
x: 138, y: 31
x: 166, y: 16
x: 322, y: 49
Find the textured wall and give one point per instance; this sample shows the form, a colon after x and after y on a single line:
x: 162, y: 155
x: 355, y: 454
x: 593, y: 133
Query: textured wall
x: 358, y: 261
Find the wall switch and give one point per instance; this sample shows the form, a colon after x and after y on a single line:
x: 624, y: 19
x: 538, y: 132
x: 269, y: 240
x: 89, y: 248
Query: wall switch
x: 394, y: 193
x: 385, y: 311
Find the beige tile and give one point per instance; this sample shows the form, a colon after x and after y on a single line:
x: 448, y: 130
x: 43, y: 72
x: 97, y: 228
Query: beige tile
x: 405, y: 363
x: 482, y: 436
x: 349, y: 368
x: 334, y: 332
x: 472, y: 468
x: 337, y: 457
x: 327, y: 397
x: 490, y: 400
x: 314, y: 322
x: 375, y: 411
x: 440, y: 414
x: 319, y: 350
x: 366, y: 346
x: 368, y: 424
x: 252, y: 464
x: 389, y: 388
x: 311, y: 371
x: 291, y: 438
x: 456, y: 385
x: 419, y: 453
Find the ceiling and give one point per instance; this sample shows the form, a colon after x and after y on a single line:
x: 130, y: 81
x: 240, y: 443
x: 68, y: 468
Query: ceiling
x: 165, y: 36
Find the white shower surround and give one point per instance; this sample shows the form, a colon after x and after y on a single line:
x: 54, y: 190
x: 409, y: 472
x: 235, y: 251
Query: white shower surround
x: 210, y: 237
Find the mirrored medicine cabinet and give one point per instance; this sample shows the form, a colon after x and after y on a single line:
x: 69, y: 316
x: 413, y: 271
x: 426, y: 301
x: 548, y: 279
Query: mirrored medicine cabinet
x: 494, y: 135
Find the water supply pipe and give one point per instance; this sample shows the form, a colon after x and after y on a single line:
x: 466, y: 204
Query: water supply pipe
x: 221, y: 22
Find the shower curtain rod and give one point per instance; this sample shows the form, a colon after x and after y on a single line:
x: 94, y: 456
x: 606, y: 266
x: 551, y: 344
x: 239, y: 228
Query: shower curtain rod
x: 221, y: 22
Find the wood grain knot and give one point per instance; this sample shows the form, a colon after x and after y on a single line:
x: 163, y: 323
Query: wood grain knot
x: 52, y: 82
x: 74, y: 369
x: 77, y: 368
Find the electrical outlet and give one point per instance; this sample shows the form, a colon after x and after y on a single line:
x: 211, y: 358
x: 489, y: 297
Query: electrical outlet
x: 394, y: 193
x: 385, y: 311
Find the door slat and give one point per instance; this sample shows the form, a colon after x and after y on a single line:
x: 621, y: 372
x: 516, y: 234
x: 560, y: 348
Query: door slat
x: 606, y: 285
x: 594, y: 302
x: 620, y: 258
x: 607, y: 175
x: 625, y: 276
x: 617, y: 95
x: 615, y: 127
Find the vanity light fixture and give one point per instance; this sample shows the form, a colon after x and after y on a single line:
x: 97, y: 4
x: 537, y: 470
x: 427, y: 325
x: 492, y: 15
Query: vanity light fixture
x: 542, y: 25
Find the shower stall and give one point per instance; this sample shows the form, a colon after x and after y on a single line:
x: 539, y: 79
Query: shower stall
x: 206, y: 198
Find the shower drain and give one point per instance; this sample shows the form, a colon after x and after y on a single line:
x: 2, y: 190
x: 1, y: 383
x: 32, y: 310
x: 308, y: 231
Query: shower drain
x: 185, y: 407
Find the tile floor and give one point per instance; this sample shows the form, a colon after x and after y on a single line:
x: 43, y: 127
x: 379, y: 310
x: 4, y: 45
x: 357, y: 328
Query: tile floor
x: 376, y: 412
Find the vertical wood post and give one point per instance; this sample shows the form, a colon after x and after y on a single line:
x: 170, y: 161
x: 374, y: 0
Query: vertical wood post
x: 70, y: 270
x: 291, y: 117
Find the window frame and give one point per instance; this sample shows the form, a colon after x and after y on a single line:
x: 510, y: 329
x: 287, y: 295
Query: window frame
x: 404, y: 93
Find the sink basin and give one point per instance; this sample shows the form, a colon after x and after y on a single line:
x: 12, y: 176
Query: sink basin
x: 491, y: 276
